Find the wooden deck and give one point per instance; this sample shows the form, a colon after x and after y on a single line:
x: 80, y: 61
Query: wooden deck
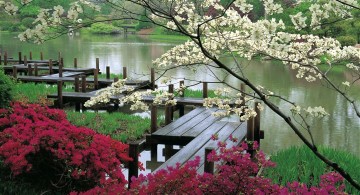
x: 194, y: 131
x: 44, y: 67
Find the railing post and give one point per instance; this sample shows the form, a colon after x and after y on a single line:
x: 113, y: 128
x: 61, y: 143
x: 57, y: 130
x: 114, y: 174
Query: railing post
x: 208, y: 166
x: 75, y: 63
x: 83, y: 83
x: 14, y: 73
x: 97, y: 65
x: 60, y: 69
x: 20, y: 61
x: 77, y: 89
x: 168, y: 109
x: 205, y: 90
x: 257, y: 123
x: 124, y: 73
x: 36, y: 70
x: 60, y: 97
x: 134, y: 164
x: 29, y: 70
x: 107, y: 72
x: 181, y: 107
x: 30, y: 55
x: 5, y: 58
x: 50, y: 66
x: 96, y: 80
x: 152, y: 78
x: 153, y: 128
x: 25, y: 60
x: 59, y: 57
x: 250, y: 135
x: 41, y: 56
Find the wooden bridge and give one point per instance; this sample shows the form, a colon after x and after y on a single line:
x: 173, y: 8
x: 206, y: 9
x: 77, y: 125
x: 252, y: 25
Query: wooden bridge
x: 194, y: 131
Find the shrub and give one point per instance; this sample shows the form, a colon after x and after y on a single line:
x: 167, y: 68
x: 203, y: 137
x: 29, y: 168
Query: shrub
x: 6, y: 85
x: 239, y: 175
x: 28, y: 22
x: 347, y: 40
x: 41, y: 147
x: 103, y: 28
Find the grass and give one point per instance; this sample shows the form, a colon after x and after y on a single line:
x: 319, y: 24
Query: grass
x: 119, y: 126
x: 35, y: 93
x: 112, y: 76
x: 300, y: 164
x: 198, y: 93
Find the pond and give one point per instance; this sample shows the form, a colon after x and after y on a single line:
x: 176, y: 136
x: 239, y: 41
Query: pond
x: 339, y: 130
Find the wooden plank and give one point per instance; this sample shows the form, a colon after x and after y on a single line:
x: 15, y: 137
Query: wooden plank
x: 223, y: 134
x: 239, y: 133
x: 179, y: 122
x: 65, y: 74
x: 199, y: 122
x: 196, y: 130
x: 185, y: 153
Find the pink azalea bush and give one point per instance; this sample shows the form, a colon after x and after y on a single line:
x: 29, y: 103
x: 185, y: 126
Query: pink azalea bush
x: 237, y: 174
x: 36, y: 141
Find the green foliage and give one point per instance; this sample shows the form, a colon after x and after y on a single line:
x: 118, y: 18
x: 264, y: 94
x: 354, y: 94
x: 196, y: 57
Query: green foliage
x: 198, y: 93
x: 28, y: 22
x: 12, y: 26
x: 119, y: 126
x: 103, y: 28
x: 144, y: 22
x: 347, y: 40
x: 29, y: 11
x: 6, y: 86
x: 300, y: 164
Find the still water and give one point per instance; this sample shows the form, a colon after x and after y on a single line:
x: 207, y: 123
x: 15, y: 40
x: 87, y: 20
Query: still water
x: 339, y: 130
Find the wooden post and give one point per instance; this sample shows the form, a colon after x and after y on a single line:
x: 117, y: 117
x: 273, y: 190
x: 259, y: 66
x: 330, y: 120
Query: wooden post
x: 29, y: 70
x: 14, y: 72
x: 152, y: 78
x: 60, y: 70
x: 62, y: 61
x: 153, y: 128
x: 83, y: 83
x: 208, y: 166
x: 97, y: 65
x: 96, y: 80
x: 25, y: 61
x: 242, y: 89
x: 41, y: 56
x: 59, y: 57
x: 30, y: 55
x: 250, y: 135
x: 107, y: 72
x: 205, y: 89
x: 36, y: 70
x: 77, y: 89
x: 60, y: 97
x: 181, y: 107
x: 168, y: 109
x: 5, y: 58
x: 134, y: 164
x: 75, y: 62
x: 50, y: 66
x: 124, y: 73
x: 20, y: 61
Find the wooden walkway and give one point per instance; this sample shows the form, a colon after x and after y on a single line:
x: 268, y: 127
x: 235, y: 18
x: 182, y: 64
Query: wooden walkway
x: 44, y: 67
x: 194, y: 131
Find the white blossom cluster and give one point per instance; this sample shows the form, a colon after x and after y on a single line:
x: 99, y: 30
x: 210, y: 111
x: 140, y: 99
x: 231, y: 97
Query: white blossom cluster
x: 49, y: 18
x: 272, y: 8
x: 103, y: 96
x: 8, y: 7
x: 317, y: 112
